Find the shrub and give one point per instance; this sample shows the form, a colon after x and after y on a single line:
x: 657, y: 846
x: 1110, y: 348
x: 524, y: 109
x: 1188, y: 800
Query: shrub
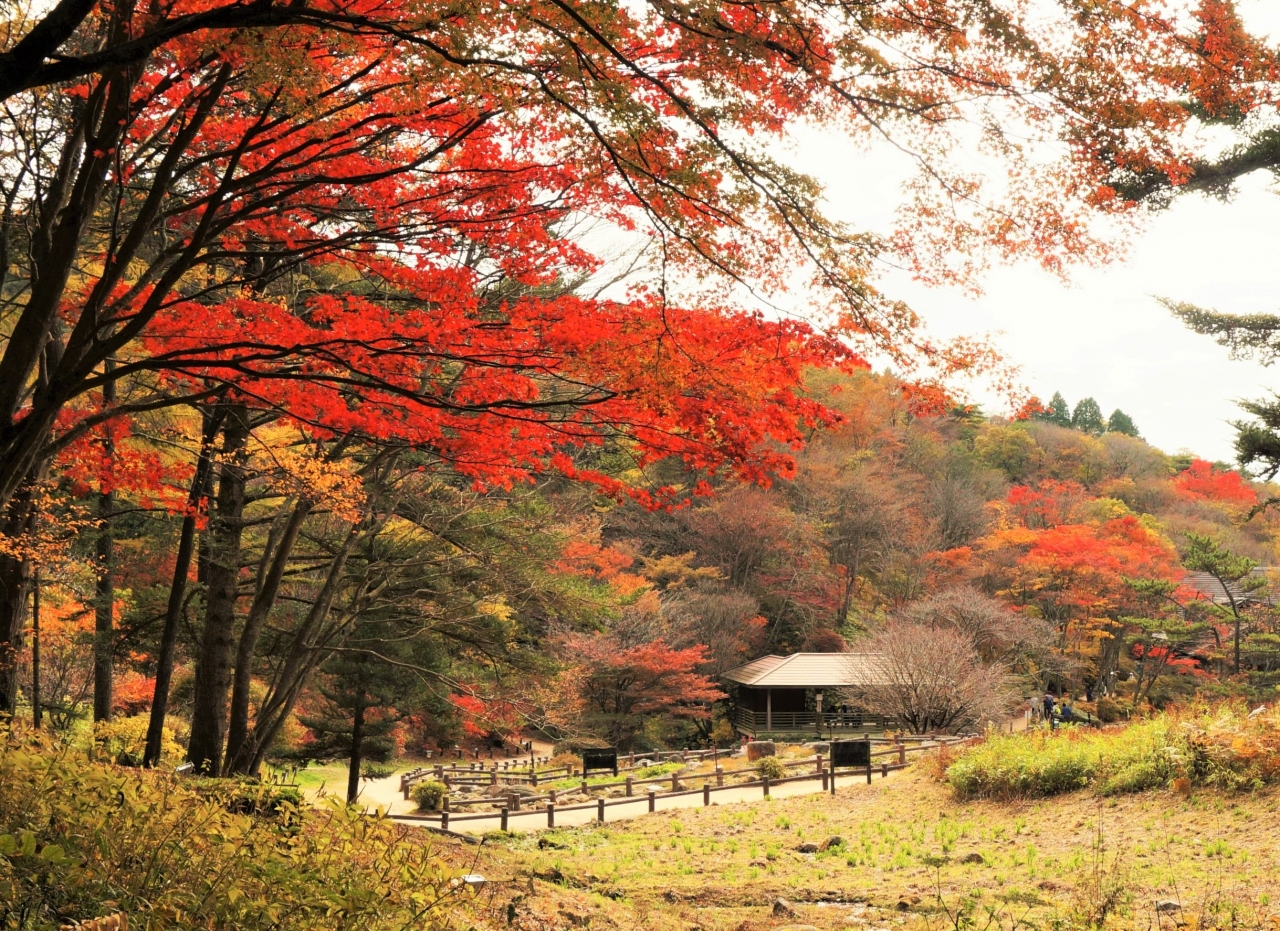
x: 169, y: 853
x: 1108, y: 710
x: 124, y: 740
x: 427, y: 794
x: 1204, y: 745
x: 772, y: 767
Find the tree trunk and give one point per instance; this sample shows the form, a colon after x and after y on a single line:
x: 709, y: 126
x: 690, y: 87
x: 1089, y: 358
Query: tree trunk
x: 357, y: 739
x: 177, y: 595
x: 239, y: 753
x: 37, y: 714
x: 15, y: 582
x: 105, y: 603
x: 213, y: 659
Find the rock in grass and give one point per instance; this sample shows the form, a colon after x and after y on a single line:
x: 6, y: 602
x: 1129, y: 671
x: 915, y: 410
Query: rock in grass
x: 783, y: 909
x: 1167, y: 905
x: 807, y: 847
x: 973, y: 857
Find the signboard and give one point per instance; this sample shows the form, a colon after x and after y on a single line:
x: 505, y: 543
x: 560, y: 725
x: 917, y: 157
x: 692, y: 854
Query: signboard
x: 851, y: 753
x: 606, y: 758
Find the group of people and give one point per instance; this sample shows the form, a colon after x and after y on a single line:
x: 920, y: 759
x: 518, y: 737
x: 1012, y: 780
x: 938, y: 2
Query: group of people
x: 1054, y: 710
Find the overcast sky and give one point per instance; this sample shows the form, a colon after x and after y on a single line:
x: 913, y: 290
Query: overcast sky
x: 1104, y: 334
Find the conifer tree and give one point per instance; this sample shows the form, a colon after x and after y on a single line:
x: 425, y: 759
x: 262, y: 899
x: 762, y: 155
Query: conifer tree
x: 1087, y: 417
x: 1058, y: 412
x: 1120, y: 422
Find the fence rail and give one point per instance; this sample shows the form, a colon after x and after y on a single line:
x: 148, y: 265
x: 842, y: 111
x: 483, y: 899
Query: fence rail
x: 810, y: 722
x: 822, y: 772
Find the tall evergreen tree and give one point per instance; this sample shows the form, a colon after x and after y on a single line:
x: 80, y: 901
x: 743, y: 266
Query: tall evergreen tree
x: 1058, y: 412
x: 1087, y: 417
x: 1120, y: 422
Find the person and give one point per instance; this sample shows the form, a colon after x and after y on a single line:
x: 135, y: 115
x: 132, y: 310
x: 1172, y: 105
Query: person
x: 1048, y: 706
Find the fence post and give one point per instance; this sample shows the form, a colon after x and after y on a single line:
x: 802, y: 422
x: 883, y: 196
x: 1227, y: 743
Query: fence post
x: 819, y: 769
x: 764, y: 781
x: 884, y: 770
x: 902, y: 753
x: 675, y: 782
x: 534, y: 777
x: 868, y: 772
x: 706, y: 793
x: 630, y: 782
x: 503, y: 819
x: 823, y: 774
x: 407, y: 787
x: 444, y: 802
x: 584, y: 786
x: 653, y: 795
x: 600, y: 809
x: 719, y: 776
x: 444, y: 820
x: 551, y: 813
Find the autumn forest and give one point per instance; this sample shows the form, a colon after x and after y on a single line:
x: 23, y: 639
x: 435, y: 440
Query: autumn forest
x: 383, y: 381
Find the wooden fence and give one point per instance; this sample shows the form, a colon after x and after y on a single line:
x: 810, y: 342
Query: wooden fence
x: 892, y: 756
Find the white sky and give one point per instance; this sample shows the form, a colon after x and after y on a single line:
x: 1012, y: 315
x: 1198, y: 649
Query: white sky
x: 1104, y: 335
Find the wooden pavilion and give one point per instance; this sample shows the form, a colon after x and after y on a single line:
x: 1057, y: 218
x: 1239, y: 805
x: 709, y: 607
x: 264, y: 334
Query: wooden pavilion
x: 802, y: 693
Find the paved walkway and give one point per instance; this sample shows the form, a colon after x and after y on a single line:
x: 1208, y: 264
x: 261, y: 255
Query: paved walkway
x: 616, y: 810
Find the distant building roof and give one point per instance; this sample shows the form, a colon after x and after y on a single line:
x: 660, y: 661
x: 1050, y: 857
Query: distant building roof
x: 1216, y: 592
x: 806, y: 670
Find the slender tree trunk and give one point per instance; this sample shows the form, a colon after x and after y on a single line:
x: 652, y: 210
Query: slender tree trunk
x: 105, y: 603
x: 357, y: 741
x: 37, y: 713
x: 239, y: 753
x: 213, y: 659
x: 1237, y: 643
x: 177, y: 594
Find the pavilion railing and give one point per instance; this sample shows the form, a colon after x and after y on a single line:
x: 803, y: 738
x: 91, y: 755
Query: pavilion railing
x: 807, y: 721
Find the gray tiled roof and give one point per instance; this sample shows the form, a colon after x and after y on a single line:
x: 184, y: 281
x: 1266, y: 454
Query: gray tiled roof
x: 806, y: 670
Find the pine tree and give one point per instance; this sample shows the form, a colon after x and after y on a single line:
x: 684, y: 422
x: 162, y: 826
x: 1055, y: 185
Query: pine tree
x: 1120, y: 422
x: 1087, y: 417
x: 1057, y: 413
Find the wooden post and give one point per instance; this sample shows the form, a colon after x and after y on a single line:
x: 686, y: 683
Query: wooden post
x: 407, y: 789
x: 823, y: 775
x: 584, y: 786
x: 764, y: 781
x: 444, y: 821
x: 503, y: 818
x: 630, y: 783
x: 819, y: 769
x: 534, y: 776
x: 444, y: 802
x: 719, y: 775
x: 600, y: 809
x: 902, y: 753
x: 868, y: 772
x: 706, y: 793
x: 551, y: 796
x: 551, y: 813
x: 493, y: 777
x: 653, y: 795
x: 515, y: 802
x: 675, y: 782
x: 884, y: 770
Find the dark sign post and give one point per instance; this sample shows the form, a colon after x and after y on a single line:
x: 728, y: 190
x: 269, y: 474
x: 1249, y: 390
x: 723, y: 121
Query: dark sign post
x: 852, y: 753
x: 606, y: 758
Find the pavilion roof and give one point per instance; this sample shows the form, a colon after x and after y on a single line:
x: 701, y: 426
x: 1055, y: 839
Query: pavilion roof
x: 806, y: 670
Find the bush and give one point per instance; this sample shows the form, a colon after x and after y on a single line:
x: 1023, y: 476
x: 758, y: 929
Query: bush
x: 97, y: 839
x: 1205, y: 745
x: 772, y: 767
x: 1108, y: 710
x: 427, y: 794
x: 123, y: 741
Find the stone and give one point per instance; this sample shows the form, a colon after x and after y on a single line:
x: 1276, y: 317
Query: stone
x: 783, y: 909
x: 546, y: 843
x: 759, y: 749
x: 973, y: 857
x: 824, y: 748
x: 759, y: 861
x: 807, y: 847
x: 1168, y: 905
x: 834, y: 840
